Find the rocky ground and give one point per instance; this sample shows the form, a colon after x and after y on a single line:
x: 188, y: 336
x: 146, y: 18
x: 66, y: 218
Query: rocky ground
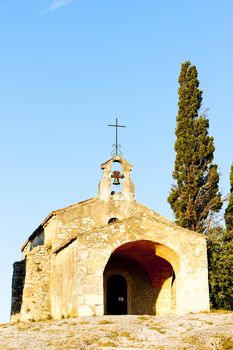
x: 194, y: 331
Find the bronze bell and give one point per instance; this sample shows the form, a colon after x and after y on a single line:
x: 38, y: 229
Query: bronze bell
x: 116, y: 181
x: 116, y: 175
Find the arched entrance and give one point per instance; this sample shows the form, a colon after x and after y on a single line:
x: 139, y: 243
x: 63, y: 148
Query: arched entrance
x: 116, y: 295
x: 144, y: 281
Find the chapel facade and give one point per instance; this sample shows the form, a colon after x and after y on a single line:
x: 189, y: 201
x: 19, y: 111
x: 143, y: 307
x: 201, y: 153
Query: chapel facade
x: 110, y: 255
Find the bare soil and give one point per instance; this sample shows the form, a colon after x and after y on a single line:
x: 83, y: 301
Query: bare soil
x: 194, y: 331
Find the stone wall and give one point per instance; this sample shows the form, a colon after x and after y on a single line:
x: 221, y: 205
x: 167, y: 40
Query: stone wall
x: 36, y: 293
x: 64, y: 272
x: 84, y: 217
x: 184, y: 291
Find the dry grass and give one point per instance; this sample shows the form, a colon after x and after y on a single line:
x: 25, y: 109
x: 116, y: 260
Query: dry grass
x: 109, y: 344
x: 105, y: 321
x: 226, y: 344
x: 143, y: 318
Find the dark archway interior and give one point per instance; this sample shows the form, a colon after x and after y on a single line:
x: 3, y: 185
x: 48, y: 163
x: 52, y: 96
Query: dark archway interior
x: 116, y: 295
x: 149, y: 274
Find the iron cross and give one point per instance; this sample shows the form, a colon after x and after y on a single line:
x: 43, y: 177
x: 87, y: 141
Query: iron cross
x: 117, y: 146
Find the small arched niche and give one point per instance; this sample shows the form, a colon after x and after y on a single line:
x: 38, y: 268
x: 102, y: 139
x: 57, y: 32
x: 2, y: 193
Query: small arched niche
x: 112, y: 220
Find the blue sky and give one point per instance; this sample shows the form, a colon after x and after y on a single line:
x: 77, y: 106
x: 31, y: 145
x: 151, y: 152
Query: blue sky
x: 69, y: 68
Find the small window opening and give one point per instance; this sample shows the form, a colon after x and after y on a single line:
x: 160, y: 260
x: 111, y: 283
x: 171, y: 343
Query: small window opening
x: 112, y: 220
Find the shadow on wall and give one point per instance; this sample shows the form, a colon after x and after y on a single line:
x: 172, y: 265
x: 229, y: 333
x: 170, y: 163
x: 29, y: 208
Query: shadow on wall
x: 38, y: 239
x: 18, y: 280
x: 140, y: 297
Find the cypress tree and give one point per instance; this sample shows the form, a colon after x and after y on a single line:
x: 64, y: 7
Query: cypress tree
x: 195, y: 195
x: 229, y: 209
x: 220, y: 258
x: 220, y: 261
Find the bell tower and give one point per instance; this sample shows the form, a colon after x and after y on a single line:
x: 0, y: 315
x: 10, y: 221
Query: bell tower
x: 113, y: 178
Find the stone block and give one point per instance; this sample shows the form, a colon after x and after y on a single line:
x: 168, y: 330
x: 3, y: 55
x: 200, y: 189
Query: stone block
x: 92, y: 299
x: 99, y: 310
x: 85, y: 310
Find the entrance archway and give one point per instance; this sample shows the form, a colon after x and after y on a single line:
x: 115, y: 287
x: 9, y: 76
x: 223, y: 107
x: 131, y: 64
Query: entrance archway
x: 116, y: 295
x: 149, y: 280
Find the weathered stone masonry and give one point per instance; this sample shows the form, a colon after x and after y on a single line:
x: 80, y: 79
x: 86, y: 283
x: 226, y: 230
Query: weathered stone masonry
x: 109, y: 254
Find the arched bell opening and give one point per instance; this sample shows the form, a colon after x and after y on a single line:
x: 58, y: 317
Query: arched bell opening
x: 149, y: 281
x: 116, y: 180
x: 116, y: 177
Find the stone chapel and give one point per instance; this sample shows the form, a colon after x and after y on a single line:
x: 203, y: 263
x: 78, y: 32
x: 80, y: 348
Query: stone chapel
x: 109, y: 255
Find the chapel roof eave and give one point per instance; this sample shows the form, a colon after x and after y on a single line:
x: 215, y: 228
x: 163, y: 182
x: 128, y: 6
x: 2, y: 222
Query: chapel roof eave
x: 51, y: 215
